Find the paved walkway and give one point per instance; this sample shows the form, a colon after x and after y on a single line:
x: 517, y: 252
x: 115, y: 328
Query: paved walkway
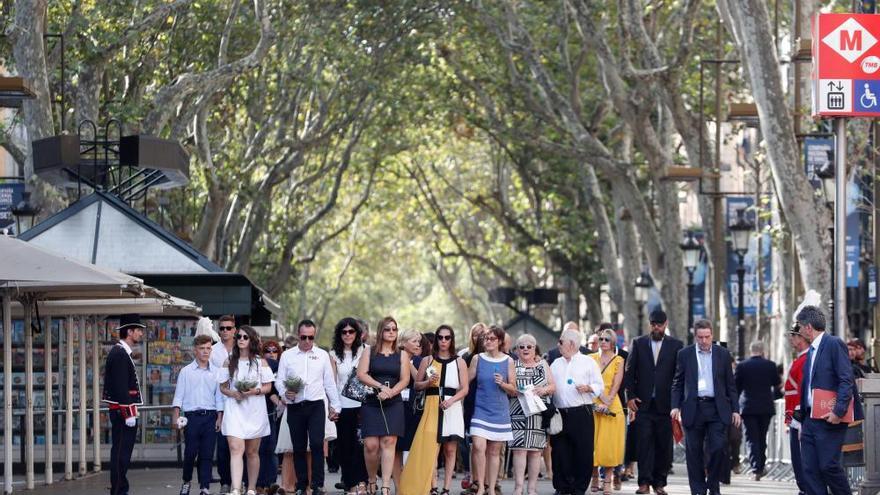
x: 167, y: 482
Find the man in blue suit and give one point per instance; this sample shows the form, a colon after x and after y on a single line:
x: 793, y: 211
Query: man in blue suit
x: 756, y: 384
x: 827, y: 367
x: 704, y: 400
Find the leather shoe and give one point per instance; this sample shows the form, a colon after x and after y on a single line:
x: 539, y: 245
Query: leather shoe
x: 659, y: 490
x: 643, y: 490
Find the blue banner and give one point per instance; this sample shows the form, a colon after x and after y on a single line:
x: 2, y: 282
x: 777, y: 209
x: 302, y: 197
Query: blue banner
x: 10, y: 195
x: 750, y: 293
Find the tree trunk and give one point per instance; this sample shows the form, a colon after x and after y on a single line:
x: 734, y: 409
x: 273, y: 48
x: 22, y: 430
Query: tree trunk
x: 749, y: 22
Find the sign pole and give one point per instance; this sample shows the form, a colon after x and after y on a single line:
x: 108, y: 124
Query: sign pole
x: 839, y: 268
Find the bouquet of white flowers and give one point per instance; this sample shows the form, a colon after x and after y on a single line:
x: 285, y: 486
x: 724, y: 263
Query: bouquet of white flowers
x: 245, y: 385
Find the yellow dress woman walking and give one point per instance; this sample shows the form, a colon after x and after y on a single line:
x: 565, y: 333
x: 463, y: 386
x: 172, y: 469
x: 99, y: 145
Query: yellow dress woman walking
x: 610, y: 424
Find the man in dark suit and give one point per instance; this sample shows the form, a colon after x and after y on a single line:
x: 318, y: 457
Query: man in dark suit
x: 648, y: 378
x: 122, y: 393
x: 756, y: 384
x: 704, y: 400
x: 828, y: 368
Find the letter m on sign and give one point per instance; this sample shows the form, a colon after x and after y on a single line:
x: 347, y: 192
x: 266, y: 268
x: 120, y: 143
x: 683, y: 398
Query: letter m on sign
x: 851, y: 41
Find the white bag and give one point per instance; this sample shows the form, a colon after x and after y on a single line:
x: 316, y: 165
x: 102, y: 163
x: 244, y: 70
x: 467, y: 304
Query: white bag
x: 530, y: 402
x: 555, y: 427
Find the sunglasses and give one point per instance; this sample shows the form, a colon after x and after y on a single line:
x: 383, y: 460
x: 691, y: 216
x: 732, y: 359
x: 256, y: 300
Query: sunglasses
x: 491, y: 338
x: 306, y: 337
x: 224, y: 327
x: 444, y: 337
x: 272, y: 349
x: 657, y: 323
x: 349, y: 332
x: 604, y: 339
x: 242, y: 336
x: 524, y: 347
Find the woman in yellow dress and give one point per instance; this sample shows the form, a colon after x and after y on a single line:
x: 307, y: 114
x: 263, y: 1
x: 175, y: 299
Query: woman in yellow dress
x: 610, y: 425
x: 444, y: 378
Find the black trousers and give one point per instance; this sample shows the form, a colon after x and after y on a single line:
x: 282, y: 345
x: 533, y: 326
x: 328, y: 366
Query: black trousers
x: 306, y: 422
x: 123, y: 438
x: 794, y: 443
x: 631, y: 444
x: 200, y: 439
x: 654, y: 451
x: 572, y: 451
x: 705, y: 438
x: 349, y: 451
x: 223, y: 458
x: 756, y: 426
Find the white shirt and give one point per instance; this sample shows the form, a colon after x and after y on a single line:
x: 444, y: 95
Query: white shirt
x: 219, y: 355
x: 568, y: 374
x: 344, y: 369
x: 197, y: 389
x: 125, y: 346
x: 815, y: 345
x: 313, y: 367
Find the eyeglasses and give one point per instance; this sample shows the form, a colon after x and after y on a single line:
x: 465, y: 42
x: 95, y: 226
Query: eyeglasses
x: 349, y: 332
x: 444, y: 337
x: 524, y: 347
x: 604, y: 339
x: 560, y: 342
x: 306, y: 337
x: 490, y: 338
x: 225, y: 327
x: 242, y: 336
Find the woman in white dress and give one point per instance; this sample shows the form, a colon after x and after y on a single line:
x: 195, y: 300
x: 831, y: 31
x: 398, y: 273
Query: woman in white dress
x: 244, y: 380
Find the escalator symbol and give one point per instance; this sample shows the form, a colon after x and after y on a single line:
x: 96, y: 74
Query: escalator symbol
x: 836, y: 100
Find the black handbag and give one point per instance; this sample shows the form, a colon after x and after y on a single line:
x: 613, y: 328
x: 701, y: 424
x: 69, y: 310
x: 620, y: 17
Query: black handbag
x: 354, y: 389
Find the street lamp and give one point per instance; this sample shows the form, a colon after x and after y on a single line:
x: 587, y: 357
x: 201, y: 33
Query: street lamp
x: 826, y: 174
x: 24, y: 212
x: 740, y: 235
x: 643, y: 284
x: 691, y: 250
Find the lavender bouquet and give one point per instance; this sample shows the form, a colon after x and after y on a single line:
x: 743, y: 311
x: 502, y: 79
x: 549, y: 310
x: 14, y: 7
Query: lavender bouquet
x: 293, y: 384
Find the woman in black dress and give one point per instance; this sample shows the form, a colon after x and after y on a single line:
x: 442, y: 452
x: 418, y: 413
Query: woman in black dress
x: 385, y: 369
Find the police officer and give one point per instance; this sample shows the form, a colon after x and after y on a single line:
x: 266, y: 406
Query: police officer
x: 122, y: 393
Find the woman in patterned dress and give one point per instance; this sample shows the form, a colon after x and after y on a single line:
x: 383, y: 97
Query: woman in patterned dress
x: 490, y: 425
x: 529, y: 438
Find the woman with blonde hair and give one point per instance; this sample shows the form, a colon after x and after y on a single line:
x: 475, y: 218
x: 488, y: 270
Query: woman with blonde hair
x: 610, y: 425
x: 386, y: 370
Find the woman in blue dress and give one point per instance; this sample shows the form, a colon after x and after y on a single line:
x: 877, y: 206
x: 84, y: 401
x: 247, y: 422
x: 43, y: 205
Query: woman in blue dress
x: 490, y: 425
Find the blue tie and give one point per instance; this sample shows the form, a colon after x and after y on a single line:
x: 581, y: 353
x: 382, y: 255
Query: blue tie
x: 805, y: 383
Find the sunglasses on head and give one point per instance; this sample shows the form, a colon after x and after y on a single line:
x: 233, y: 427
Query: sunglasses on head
x: 444, y: 337
x: 307, y: 337
x: 349, y: 332
x: 524, y: 347
x: 226, y: 327
x: 242, y: 336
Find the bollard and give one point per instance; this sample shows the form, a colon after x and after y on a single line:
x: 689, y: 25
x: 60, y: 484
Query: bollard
x: 870, y: 390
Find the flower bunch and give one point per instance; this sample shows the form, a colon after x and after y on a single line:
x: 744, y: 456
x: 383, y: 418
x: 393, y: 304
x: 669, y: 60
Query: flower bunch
x: 293, y: 384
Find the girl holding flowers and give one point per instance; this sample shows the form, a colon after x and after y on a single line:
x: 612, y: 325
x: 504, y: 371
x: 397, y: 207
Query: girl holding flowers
x: 244, y: 380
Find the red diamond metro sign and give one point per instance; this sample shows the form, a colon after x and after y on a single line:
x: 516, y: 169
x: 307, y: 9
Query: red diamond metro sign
x: 846, y: 65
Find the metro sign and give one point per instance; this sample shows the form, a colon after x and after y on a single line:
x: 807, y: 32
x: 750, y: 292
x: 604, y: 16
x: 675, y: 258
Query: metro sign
x: 846, y: 65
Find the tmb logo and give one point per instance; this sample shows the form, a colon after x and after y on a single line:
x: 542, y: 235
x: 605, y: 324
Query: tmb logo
x: 850, y: 40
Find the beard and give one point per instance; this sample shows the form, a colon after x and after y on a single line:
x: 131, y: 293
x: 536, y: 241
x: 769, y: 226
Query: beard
x: 657, y: 336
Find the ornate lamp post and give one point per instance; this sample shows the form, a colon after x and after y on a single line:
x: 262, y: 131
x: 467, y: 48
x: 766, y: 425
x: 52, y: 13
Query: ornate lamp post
x: 643, y: 284
x: 691, y: 249
x: 24, y: 212
x: 740, y: 235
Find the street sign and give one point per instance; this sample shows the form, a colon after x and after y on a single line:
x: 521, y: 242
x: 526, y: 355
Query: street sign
x: 846, y: 65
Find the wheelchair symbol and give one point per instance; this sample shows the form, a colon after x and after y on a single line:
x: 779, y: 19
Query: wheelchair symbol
x: 868, y: 99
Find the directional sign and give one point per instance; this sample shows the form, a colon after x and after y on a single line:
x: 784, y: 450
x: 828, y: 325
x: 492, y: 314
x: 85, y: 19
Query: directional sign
x: 846, y: 65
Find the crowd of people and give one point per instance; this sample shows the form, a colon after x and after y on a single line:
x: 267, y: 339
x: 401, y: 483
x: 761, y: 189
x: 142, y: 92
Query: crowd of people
x: 400, y: 407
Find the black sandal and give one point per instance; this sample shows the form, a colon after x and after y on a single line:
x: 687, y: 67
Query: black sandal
x: 434, y: 491
x: 445, y: 491
x: 386, y: 488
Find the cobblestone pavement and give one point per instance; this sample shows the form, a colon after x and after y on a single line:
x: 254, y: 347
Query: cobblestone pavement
x: 167, y: 481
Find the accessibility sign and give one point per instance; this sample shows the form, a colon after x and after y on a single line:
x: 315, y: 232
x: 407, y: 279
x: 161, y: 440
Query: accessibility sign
x: 846, y: 65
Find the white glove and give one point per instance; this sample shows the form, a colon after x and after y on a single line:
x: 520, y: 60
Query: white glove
x: 182, y: 421
x: 131, y: 421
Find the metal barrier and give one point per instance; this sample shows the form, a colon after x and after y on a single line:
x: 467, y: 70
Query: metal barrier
x: 778, y: 465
